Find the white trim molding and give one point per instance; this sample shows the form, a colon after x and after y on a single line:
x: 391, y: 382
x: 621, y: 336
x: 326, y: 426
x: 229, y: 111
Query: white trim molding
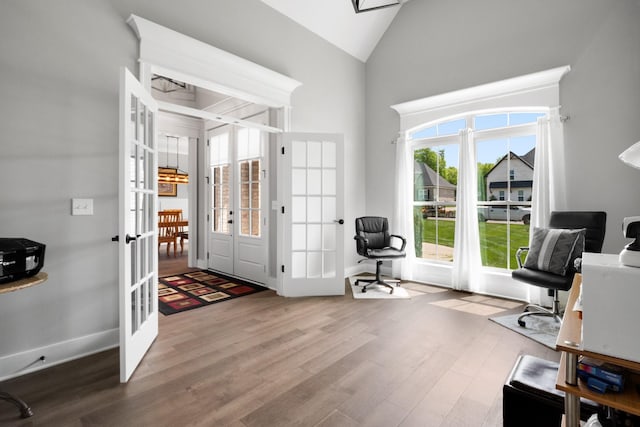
x: 537, y: 92
x: 181, y: 57
x: 536, y: 89
x: 14, y: 365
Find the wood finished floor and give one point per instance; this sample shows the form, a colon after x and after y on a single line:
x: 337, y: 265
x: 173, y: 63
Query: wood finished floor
x: 169, y: 264
x: 264, y: 360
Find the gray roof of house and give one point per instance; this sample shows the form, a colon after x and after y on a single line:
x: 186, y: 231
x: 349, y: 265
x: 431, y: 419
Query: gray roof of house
x: 529, y: 157
x: 430, y: 177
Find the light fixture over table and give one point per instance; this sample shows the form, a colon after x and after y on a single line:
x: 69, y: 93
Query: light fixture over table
x: 368, y: 5
x: 172, y: 175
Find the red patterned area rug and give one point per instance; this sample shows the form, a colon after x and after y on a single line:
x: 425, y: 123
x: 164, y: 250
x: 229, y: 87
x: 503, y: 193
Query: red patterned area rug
x: 182, y: 292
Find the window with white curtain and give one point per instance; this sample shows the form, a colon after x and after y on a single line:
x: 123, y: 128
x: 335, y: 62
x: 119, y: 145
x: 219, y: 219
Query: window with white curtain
x: 505, y: 148
x: 475, y: 208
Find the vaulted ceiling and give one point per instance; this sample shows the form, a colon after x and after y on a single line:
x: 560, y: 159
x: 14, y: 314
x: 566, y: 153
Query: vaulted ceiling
x: 337, y: 22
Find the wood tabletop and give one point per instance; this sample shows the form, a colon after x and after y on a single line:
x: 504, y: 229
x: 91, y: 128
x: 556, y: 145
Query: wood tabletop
x: 23, y: 283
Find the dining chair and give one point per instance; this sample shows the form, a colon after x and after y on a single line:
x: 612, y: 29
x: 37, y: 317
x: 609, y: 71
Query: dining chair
x: 168, y: 229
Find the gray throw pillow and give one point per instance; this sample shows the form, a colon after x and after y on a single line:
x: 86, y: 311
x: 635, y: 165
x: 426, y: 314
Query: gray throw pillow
x: 553, y: 250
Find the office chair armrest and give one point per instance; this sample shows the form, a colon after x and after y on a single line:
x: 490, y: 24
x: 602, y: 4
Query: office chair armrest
x: 404, y: 241
x: 519, y: 253
x: 365, y: 242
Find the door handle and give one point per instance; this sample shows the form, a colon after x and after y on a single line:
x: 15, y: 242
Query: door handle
x: 339, y: 221
x: 128, y: 238
x: 230, y: 221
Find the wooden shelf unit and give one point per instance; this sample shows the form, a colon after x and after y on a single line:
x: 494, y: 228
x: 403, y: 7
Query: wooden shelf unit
x: 570, y: 341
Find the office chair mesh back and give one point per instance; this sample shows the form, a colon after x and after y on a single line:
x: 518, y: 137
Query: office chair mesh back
x: 375, y: 230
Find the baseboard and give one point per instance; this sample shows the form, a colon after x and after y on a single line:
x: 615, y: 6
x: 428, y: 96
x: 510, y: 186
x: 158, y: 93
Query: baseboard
x: 15, y: 365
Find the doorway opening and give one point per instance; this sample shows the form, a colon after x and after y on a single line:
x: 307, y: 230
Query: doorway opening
x: 223, y: 179
x: 238, y: 167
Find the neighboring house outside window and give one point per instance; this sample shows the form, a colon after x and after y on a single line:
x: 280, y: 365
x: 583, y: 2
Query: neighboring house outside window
x: 468, y: 132
x: 499, y: 160
x: 523, y: 165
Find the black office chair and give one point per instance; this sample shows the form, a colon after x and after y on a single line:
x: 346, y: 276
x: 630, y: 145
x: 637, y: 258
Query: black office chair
x: 594, y: 223
x: 373, y: 241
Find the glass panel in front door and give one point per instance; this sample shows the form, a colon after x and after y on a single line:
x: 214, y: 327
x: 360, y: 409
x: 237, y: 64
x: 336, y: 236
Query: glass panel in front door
x: 249, y: 164
x: 221, y: 209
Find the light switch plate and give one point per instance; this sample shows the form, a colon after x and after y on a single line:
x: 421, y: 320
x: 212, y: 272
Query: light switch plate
x: 81, y: 206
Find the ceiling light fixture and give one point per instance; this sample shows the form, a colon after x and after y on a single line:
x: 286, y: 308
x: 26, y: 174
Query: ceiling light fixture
x: 368, y: 5
x: 172, y: 175
x: 167, y: 85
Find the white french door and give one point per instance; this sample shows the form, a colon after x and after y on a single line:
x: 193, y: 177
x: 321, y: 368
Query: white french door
x: 220, y: 200
x: 137, y: 236
x: 311, y: 190
x: 237, y: 218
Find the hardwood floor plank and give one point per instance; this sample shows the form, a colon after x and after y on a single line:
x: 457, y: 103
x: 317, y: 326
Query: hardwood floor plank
x: 440, y: 400
x: 337, y: 419
x: 264, y: 360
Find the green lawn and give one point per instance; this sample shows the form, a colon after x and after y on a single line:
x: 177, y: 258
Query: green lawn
x: 493, y: 239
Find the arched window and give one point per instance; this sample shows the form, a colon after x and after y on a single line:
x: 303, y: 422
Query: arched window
x: 474, y: 169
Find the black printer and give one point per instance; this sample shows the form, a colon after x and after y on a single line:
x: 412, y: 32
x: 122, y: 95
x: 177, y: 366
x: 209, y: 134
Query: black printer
x: 20, y: 258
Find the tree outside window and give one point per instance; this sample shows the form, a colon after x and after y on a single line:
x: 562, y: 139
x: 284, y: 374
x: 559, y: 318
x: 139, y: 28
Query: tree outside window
x: 505, y: 147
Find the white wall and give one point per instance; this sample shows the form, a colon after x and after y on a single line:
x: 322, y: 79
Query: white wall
x: 59, y: 121
x: 438, y: 46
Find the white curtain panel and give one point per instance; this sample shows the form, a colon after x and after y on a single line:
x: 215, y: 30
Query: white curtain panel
x: 403, y: 216
x: 549, y: 189
x: 467, y: 263
x: 549, y: 192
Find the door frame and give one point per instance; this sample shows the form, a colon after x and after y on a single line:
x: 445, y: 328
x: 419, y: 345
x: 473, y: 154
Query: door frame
x: 265, y: 195
x: 169, y: 53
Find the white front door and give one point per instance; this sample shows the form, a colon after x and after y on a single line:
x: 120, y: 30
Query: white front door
x: 237, y: 178
x: 220, y: 252
x: 137, y: 232
x: 311, y: 190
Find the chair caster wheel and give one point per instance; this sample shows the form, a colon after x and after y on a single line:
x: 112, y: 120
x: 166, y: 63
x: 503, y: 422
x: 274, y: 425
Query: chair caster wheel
x: 521, y: 323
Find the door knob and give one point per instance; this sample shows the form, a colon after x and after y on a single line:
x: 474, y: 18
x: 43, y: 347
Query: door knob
x: 339, y: 221
x: 230, y: 221
x: 129, y: 239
